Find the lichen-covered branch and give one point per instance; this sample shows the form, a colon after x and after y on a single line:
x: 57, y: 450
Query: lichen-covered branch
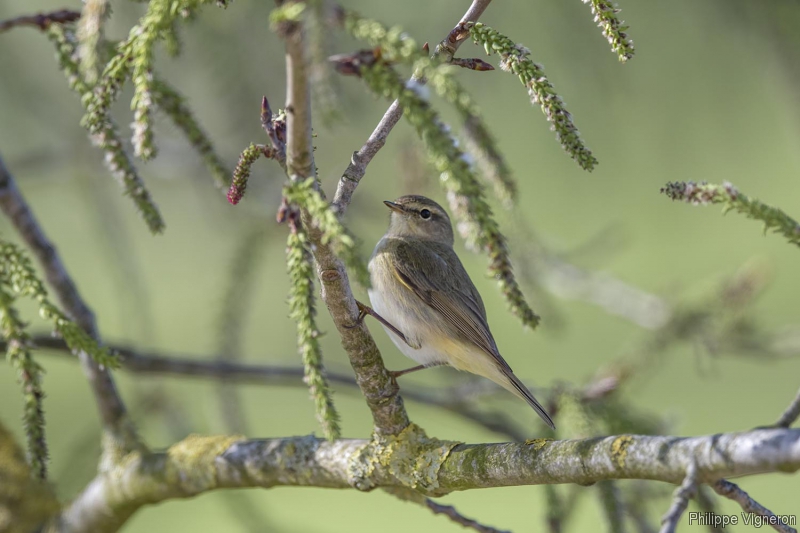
x: 118, y: 426
x: 411, y: 460
x: 732, y: 200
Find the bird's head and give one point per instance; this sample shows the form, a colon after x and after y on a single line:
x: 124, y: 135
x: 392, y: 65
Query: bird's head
x: 419, y: 217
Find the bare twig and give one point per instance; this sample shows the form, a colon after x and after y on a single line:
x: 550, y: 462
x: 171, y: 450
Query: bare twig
x: 358, y: 163
x: 758, y: 513
x: 221, y: 368
x: 112, y: 409
x: 612, y: 504
x: 41, y: 20
x: 299, y: 147
x: 450, y: 512
x: 669, y: 523
x: 790, y: 414
x: 268, y: 123
x: 234, y: 309
x: 472, y: 63
x: 705, y: 500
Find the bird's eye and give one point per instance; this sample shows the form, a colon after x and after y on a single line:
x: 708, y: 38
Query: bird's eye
x: 425, y: 214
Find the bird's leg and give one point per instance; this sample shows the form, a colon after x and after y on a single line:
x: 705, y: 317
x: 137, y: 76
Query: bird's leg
x: 364, y: 310
x: 397, y: 373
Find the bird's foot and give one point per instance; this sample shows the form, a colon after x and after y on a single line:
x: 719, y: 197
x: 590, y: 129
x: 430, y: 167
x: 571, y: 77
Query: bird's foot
x: 364, y: 310
x: 362, y: 313
x: 397, y: 373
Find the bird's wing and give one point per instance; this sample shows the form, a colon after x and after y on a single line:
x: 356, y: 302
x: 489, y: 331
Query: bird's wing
x: 445, y: 286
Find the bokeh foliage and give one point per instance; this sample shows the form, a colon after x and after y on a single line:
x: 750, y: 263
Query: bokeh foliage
x: 670, y: 115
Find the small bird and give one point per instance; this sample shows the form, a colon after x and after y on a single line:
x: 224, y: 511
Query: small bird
x: 426, y: 301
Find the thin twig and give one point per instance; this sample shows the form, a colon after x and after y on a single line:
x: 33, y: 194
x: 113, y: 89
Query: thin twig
x: 450, y: 512
x: 790, y: 414
x: 757, y: 511
x: 705, y: 500
x: 112, y: 409
x: 613, y: 506
x: 41, y: 20
x: 221, y: 368
x: 358, y: 163
x: 268, y: 123
x: 669, y: 523
x: 234, y: 309
x: 472, y: 63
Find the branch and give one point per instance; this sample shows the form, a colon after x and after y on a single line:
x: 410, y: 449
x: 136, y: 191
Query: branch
x: 790, y: 414
x: 358, y: 163
x: 201, y: 464
x: 379, y: 389
x: 112, y: 409
x: 220, y: 368
x: 41, y: 20
x: 749, y: 505
x: 449, y: 511
x: 669, y: 524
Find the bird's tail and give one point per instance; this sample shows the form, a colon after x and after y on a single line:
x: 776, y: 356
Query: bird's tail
x: 518, y: 388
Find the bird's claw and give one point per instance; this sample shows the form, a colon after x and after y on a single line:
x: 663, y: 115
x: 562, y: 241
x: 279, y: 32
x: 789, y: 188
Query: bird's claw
x: 362, y: 313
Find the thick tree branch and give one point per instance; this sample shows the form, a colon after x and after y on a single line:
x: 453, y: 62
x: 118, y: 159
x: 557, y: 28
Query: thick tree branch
x: 112, y: 409
x: 360, y: 159
x: 200, y: 464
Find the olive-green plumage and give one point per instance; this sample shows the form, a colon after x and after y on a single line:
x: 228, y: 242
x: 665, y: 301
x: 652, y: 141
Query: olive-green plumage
x: 420, y: 286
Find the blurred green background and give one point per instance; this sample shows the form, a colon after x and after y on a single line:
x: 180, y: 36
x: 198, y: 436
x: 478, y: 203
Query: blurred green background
x: 710, y: 95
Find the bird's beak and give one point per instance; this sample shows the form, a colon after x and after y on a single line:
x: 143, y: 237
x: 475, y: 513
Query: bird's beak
x: 394, y: 207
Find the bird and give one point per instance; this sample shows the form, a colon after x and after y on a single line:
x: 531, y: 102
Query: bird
x: 424, y: 298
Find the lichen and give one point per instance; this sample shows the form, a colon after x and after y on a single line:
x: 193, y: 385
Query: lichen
x: 412, y: 458
x: 538, y: 444
x: 619, y: 449
x: 194, y: 457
